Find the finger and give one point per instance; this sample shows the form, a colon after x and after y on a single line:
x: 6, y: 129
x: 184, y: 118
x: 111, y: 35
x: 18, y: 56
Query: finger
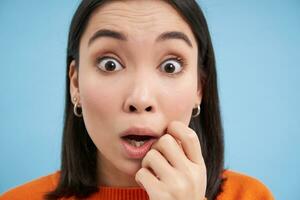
x: 179, y: 143
x: 159, y: 165
x: 147, y: 180
x: 189, y: 140
x: 170, y: 149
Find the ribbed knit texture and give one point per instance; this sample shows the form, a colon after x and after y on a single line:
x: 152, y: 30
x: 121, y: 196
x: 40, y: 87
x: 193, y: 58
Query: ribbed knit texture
x: 114, y: 193
x: 236, y: 187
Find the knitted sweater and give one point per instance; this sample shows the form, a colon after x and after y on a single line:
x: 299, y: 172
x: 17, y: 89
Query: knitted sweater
x: 236, y: 187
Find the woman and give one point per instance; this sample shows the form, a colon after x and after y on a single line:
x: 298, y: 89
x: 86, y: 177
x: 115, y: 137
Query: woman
x: 142, y: 117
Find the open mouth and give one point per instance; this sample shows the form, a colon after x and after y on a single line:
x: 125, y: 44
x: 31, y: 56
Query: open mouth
x: 137, y: 140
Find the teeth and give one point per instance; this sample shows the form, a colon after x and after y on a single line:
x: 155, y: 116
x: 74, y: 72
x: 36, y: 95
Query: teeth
x: 136, y: 143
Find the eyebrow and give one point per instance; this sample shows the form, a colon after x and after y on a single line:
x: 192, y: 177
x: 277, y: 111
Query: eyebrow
x: 122, y: 37
x: 175, y: 35
x: 107, y: 33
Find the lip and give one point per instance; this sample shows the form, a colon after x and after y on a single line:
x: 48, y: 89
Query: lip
x: 139, y: 131
x: 137, y: 152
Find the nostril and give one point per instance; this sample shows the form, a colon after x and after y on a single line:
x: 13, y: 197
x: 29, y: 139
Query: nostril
x: 131, y: 108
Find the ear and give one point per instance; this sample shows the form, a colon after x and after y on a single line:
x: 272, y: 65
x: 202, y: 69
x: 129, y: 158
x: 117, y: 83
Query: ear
x: 73, y: 76
x: 199, y: 96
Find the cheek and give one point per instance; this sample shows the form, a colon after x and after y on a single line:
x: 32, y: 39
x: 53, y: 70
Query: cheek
x: 98, y: 103
x: 181, y: 107
x: 179, y: 101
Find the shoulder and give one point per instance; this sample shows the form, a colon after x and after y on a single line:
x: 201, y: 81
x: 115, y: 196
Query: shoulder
x: 34, y: 189
x: 241, y: 186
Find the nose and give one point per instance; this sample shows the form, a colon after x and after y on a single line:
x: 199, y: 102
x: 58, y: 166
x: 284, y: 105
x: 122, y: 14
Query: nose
x: 140, y: 98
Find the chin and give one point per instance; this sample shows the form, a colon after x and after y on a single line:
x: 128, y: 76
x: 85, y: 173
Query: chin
x: 130, y: 167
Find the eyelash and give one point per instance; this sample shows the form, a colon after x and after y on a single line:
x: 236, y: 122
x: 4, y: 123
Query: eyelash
x: 178, y: 59
x: 181, y: 61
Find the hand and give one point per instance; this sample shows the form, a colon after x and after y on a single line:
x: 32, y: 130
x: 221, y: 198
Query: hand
x: 174, y: 167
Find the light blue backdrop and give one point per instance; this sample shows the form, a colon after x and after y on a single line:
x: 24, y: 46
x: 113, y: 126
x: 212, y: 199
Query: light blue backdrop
x: 257, y: 45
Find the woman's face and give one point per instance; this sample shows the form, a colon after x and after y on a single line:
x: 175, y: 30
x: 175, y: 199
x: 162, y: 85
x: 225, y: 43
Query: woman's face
x: 138, y: 67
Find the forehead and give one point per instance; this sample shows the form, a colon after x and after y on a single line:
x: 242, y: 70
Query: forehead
x: 138, y: 19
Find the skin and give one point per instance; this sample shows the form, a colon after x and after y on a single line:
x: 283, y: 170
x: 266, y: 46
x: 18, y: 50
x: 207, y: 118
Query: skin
x: 174, y: 167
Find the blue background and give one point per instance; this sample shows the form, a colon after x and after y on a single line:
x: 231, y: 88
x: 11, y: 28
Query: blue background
x: 257, y: 46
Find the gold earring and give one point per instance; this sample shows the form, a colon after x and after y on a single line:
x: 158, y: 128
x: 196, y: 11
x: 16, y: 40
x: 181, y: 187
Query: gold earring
x: 74, y: 99
x: 76, y: 105
x: 198, y: 111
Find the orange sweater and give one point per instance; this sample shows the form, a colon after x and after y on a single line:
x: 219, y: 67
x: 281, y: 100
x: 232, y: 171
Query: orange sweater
x: 237, y: 187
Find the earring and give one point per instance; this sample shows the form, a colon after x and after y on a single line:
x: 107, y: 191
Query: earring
x: 198, y: 111
x: 75, y: 108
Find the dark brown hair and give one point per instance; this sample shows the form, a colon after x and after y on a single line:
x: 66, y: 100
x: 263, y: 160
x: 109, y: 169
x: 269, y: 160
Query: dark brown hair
x: 78, y: 175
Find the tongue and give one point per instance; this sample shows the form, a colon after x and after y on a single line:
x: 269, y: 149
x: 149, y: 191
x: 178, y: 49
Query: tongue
x: 138, y: 137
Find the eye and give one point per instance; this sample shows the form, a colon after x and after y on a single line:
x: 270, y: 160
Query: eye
x: 172, y: 66
x: 109, y: 64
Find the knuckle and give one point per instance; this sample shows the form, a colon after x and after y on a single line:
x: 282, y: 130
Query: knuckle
x: 179, y: 185
x: 139, y: 172
x: 193, y: 135
x: 167, y: 139
x: 177, y: 180
x: 148, y: 157
x: 151, y: 153
x: 197, y: 174
x: 192, y: 132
